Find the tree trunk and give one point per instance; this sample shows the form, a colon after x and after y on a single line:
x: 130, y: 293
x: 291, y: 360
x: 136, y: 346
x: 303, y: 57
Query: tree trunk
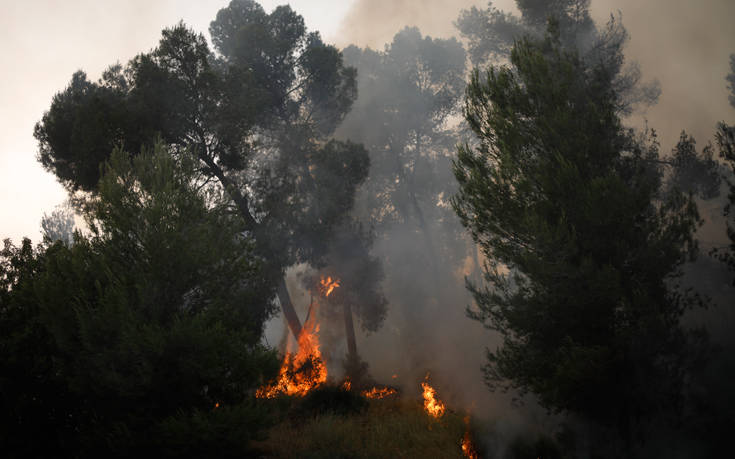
x: 350, y: 332
x: 241, y: 202
x: 428, y: 241
x: 288, y: 310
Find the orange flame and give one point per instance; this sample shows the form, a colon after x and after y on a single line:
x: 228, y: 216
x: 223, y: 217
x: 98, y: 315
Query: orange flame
x: 305, y: 370
x: 347, y: 385
x: 378, y: 392
x: 468, y: 449
x: 326, y: 286
x: 302, y: 371
x: 432, y: 404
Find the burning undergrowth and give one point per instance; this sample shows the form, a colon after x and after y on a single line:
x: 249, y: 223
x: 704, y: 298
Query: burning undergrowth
x: 312, y: 397
x: 333, y: 422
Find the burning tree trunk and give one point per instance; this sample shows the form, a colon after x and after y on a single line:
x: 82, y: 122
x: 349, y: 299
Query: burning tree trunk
x: 303, y: 370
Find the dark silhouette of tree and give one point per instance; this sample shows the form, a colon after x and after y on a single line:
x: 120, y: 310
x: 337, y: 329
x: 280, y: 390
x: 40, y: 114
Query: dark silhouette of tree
x: 491, y: 34
x: 257, y: 113
x: 725, y: 137
x: 693, y: 172
x: 584, y: 248
x: 408, y: 94
x: 124, y: 342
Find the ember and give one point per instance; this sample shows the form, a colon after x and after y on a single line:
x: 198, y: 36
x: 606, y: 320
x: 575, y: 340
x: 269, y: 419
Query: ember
x: 379, y: 392
x: 326, y: 286
x: 432, y: 404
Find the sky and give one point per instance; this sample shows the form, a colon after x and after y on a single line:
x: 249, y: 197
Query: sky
x: 683, y: 44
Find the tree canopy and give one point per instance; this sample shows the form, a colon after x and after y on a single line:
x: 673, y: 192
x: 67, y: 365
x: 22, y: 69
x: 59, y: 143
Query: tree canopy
x: 257, y: 112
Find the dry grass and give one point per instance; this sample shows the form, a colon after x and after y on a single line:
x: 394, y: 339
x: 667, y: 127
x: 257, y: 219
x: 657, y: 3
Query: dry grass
x: 387, y: 429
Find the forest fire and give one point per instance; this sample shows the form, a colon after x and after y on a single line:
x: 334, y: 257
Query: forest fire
x: 299, y: 372
x: 432, y: 404
x: 468, y: 448
x: 379, y: 392
x: 375, y: 393
x: 326, y: 286
x: 304, y: 370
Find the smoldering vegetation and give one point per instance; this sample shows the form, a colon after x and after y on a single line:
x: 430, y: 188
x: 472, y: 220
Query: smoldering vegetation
x: 459, y: 192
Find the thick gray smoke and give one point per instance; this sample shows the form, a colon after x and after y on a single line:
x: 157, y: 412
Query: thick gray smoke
x: 374, y: 22
x: 684, y: 45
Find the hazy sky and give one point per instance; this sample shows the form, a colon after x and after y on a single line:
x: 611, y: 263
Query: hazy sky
x: 684, y: 44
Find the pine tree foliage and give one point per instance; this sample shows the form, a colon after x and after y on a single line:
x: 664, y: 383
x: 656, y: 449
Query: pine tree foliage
x: 584, y: 247
x: 119, y: 343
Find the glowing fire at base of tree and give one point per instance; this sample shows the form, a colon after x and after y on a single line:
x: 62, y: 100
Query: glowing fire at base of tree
x: 432, y: 404
x: 300, y: 372
x: 468, y: 448
x: 305, y: 370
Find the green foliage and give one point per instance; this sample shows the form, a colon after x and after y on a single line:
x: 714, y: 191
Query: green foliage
x: 148, y: 323
x: 388, y: 428
x: 583, y: 247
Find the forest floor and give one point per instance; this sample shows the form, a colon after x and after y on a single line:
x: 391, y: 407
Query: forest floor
x: 381, y: 428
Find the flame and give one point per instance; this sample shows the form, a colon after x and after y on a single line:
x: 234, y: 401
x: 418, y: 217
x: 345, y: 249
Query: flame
x: 347, y: 385
x: 432, y: 404
x: 379, y: 392
x: 326, y: 286
x: 302, y: 371
x: 468, y: 449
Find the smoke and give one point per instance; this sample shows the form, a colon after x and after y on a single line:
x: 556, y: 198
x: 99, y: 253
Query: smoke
x: 374, y: 22
x: 685, y: 46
